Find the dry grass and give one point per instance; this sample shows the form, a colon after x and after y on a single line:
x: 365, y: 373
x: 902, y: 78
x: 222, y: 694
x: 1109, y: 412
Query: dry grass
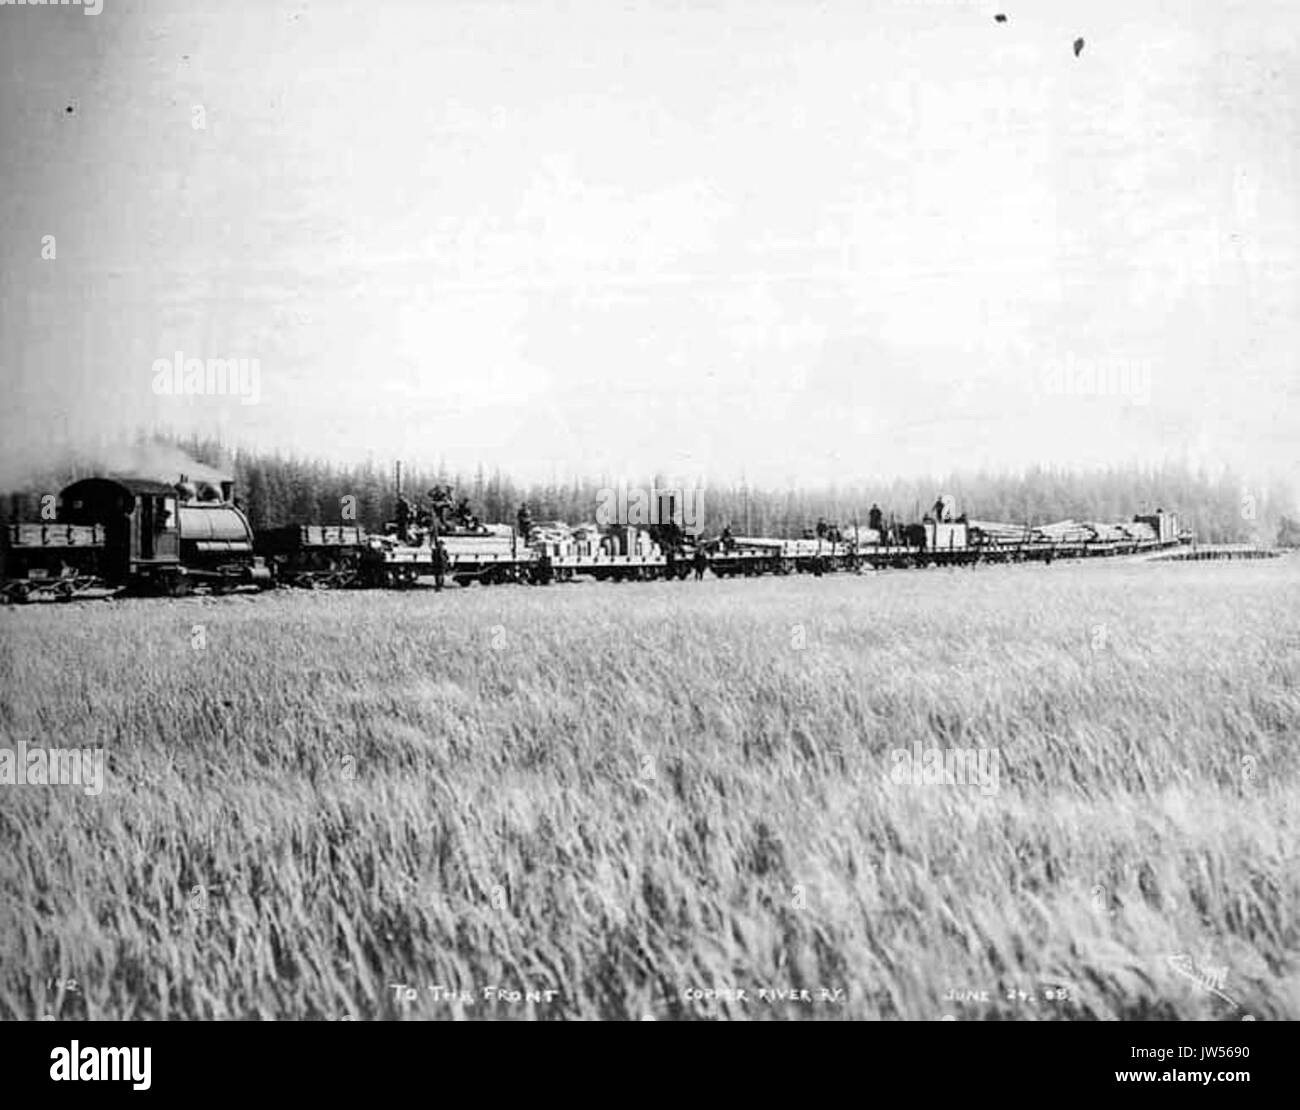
x: 622, y: 792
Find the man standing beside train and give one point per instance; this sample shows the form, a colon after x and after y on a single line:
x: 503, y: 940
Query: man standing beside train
x: 701, y: 562
x: 439, y: 558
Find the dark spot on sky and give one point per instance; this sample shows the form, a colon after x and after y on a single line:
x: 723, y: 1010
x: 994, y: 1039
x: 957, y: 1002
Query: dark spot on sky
x: 70, y: 109
x: 1078, y: 47
x: 1000, y: 18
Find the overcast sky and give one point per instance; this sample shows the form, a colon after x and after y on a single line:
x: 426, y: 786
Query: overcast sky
x: 793, y: 240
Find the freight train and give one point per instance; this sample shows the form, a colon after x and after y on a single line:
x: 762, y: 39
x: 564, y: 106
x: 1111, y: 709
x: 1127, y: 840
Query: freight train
x: 115, y: 534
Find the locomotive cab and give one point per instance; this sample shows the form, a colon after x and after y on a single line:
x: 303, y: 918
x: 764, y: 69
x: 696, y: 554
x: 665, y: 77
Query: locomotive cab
x: 140, y: 519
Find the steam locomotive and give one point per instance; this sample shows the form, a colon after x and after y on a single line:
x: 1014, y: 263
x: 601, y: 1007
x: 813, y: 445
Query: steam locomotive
x: 109, y: 533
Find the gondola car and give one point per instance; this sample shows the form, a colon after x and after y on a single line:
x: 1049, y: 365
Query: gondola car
x: 314, y: 554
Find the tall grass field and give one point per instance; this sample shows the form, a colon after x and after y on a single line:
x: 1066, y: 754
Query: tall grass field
x: 666, y: 800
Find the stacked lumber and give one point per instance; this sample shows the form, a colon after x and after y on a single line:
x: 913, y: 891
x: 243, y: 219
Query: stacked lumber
x: 802, y: 549
x: 1108, y: 533
x: 996, y: 532
x: 1064, y: 532
x: 559, y: 539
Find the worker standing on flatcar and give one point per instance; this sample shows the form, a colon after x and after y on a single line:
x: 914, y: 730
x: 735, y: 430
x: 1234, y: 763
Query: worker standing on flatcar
x: 875, y: 519
x: 701, y: 563
x: 524, y: 519
x: 440, y: 497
